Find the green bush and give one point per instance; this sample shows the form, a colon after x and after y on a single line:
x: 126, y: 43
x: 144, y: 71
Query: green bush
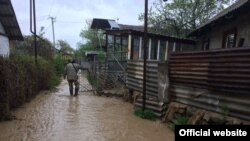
x: 21, y: 80
x: 59, y: 64
x: 146, y: 114
x: 53, y: 82
x: 180, y: 120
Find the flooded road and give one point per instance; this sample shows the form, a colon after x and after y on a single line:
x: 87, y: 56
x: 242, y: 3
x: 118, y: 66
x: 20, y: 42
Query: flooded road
x: 56, y: 116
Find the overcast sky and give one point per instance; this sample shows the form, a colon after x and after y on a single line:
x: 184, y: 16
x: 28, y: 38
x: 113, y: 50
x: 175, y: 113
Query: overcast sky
x: 71, y: 15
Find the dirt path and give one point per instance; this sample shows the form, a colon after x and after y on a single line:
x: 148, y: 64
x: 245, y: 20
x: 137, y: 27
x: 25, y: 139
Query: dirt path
x: 56, y: 116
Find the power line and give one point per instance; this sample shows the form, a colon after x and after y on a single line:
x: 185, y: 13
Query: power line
x: 47, y: 28
x: 70, y: 21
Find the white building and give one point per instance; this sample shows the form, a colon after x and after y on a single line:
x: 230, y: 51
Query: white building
x: 9, y: 28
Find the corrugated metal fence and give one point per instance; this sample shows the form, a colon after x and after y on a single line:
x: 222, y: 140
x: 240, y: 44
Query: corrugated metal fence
x: 215, y: 80
x: 135, y: 77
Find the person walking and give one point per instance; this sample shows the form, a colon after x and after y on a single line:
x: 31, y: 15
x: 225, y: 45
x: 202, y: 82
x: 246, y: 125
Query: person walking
x: 71, y: 70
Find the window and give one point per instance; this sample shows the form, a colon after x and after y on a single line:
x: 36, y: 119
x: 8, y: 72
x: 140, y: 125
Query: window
x: 205, y: 45
x: 124, y: 47
x: 142, y: 49
x: 162, y: 50
x: 110, y: 47
x: 117, y: 47
x: 229, y: 39
x: 154, y: 46
x: 241, y: 42
x: 170, y: 46
x: 135, y: 48
x: 178, y: 47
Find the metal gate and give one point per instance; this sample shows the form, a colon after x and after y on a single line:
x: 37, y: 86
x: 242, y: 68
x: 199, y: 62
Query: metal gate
x: 85, y: 86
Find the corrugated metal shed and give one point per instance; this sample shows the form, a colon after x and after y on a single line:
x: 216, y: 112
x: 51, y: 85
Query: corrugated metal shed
x: 9, y: 21
x: 234, y: 10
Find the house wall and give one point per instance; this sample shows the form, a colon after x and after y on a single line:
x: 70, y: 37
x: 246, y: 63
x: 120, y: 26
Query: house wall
x: 4, y: 46
x: 4, y: 42
x: 216, y: 35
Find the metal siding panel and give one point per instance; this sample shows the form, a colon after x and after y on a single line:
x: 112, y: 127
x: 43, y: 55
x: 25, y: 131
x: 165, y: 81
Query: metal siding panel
x: 135, y: 75
x: 213, y: 80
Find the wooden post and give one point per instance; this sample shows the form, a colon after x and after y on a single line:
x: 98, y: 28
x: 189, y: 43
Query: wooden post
x: 166, y: 53
x: 140, y: 47
x: 129, y: 46
x: 121, y: 47
x: 158, y: 49
x: 174, y: 47
x: 149, y: 50
x: 94, y: 66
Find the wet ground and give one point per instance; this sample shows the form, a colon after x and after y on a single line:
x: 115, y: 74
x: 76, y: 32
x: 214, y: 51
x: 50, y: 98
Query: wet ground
x: 56, y: 116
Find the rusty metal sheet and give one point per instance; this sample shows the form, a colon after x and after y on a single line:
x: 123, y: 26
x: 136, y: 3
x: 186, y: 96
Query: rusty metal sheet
x: 222, y: 75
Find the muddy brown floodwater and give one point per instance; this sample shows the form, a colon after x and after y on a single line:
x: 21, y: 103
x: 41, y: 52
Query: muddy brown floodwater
x: 56, y: 116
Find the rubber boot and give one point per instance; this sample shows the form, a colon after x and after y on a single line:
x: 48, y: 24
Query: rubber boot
x: 76, y: 91
x: 71, y: 91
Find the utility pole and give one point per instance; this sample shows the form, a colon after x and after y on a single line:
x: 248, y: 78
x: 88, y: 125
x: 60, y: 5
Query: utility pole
x: 145, y: 41
x: 53, y: 20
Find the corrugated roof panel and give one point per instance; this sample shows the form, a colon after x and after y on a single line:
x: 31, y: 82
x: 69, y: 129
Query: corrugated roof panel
x: 9, y: 21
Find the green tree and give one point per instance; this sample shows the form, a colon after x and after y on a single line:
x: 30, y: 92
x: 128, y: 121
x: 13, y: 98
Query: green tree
x: 64, y: 47
x: 44, y: 47
x: 93, y: 37
x: 94, y: 40
x: 179, y: 17
x: 80, y: 51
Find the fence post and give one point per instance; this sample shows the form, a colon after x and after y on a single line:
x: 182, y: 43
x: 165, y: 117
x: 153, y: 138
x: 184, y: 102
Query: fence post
x: 94, y: 66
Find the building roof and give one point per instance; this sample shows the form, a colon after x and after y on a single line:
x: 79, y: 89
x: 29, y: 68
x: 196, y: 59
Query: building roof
x: 150, y: 35
x: 112, y: 24
x: 104, y: 24
x: 232, y: 11
x: 132, y: 27
x: 9, y: 20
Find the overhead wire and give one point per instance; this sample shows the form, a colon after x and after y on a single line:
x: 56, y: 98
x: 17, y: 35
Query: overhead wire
x: 70, y: 22
x: 47, y: 28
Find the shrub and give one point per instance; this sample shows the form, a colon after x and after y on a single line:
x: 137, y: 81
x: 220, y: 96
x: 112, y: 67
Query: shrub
x: 59, y: 63
x: 21, y: 80
x: 53, y: 82
x: 146, y: 114
x: 180, y: 120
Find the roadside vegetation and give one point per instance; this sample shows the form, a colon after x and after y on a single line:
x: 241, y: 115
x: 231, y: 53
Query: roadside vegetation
x: 145, y: 114
x: 180, y: 120
x: 21, y: 79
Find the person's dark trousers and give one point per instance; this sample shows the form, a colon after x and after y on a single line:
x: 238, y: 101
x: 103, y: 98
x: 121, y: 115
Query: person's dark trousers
x: 76, y: 83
